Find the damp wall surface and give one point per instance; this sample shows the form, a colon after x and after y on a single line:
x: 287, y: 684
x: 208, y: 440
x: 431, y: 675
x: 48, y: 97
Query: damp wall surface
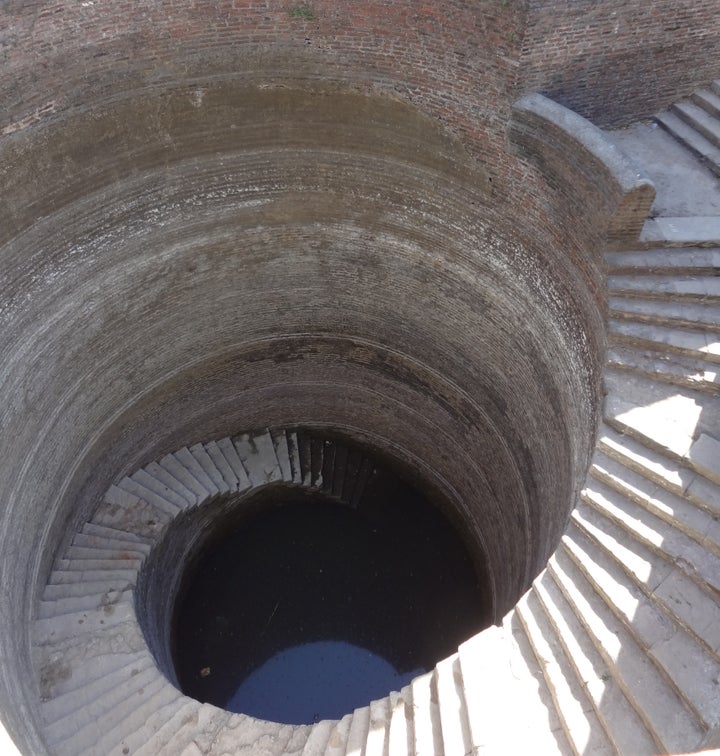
x: 224, y: 217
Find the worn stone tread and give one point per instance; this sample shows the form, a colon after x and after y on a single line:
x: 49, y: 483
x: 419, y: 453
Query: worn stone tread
x: 693, y: 343
x: 158, y: 480
x: 93, y: 529
x: 206, y: 462
x: 663, y: 262
x: 687, y: 665
x: 358, y: 732
x: 695, y: 522
x: 693, y: 287
x: 661, y: 709
x: 704, y: 122
x: 378, y: 726
x: 165, y: 505
x: 674, y: 369
x: 691, y: 138
x: 427, y: 726
x: 689, y: 316
x: 123, y: 741
x: 582, y: 726
x: 224, y: 467
x: 337, y: 742
x: 178, y: 470
x: 191, y: 464
x: 620, y: 721
x: 708, y: 100
x: 453, y: 709
x: 282, y: 452
x: 317, y: 741
x: 257, y: 453
x: 670, y: 544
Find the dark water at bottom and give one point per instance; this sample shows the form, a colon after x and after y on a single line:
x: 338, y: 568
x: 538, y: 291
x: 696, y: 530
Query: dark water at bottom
x: 321, y: 680
x: 307, y: 609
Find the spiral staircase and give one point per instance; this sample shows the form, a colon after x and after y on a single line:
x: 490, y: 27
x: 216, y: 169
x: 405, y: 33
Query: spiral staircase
x: 615, y: 649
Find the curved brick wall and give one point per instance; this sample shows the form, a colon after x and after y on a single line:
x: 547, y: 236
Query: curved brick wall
x: 226, y: 217
x: 615, y: 61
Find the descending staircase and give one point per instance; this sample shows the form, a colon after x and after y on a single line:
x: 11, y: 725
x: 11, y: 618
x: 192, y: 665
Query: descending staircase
x: 615, y: 649
x: 696, y: 123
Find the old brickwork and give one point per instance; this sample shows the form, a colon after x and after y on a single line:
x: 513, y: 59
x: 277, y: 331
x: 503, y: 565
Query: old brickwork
x: 616, y: 61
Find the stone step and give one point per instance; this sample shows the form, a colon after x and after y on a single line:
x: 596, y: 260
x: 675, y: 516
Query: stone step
x: 400, y: 731
x: 188, y: 460
x: 358, y: 732
x: 670, y: 288
x: 695, y: 522
x: 60, y: 577
x: 56, y: 591
x: 160, y: 481
x: 124, y: 511
x: 108, y: 673
x: 639, y: 454
x: 171, y: 464
x: 378, y: 728
x: 426, y: 716
x: 305, y: 455
x: 680, y: 232
x: 126, y: 712
x: 582, y: 727
x: 228, y: 450
x: 162, y: 504
x: 189, y: 727
x: 93, y: 529
x: 294, y: 454
x: 205, y: 461
x: 704, y: 122
x: 88, y: 566
x: 675, y: 547
x: 317, y: 741
x: 108, y: 597
x: 143, y: 726
x: 337, y: 742
x: 257, y: 453
x: 692, y: 671
x: 91, y: 704
x: 695, y: 344
x: 620, y: 721
x: 182, y: 718
x: 690, y: 606
x: 282, y: 453
x: 317, y: 460
x: 668, y: 416
x: 708, y: 100
x: 690, y: 138
x: 75, y: 552
x: 226, y: 471
x: 52, y: 630
x: 91, y: 680
x: 683, y: 315
x: 715, y: 86
x: 454, y: 725
x: 502, y: 677
x: 669, y: 368
x: 686, y: 261
x: 662, y: 711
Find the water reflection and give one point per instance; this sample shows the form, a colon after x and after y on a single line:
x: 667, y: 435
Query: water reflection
x: 322, y: 680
